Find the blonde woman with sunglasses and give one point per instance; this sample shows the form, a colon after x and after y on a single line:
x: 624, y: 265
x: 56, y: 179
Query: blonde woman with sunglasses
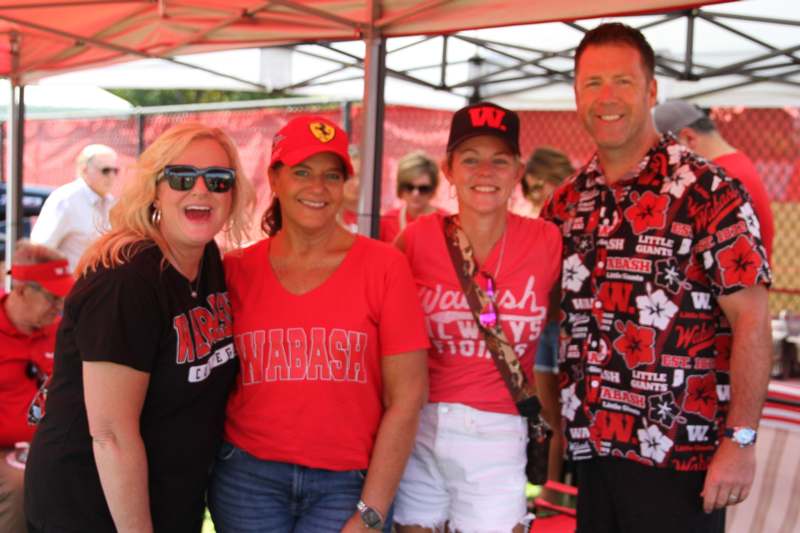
x: 417, y: 181
x: 144, y: 358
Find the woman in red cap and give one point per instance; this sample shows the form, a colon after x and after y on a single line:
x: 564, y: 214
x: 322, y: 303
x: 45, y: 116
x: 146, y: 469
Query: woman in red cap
x: 331, y: 345
x: 484, y: 276
x: 144, y: 357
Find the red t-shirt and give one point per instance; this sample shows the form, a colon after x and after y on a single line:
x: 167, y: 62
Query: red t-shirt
x: 739, y: 166
x: 17, y: 390
x: 310, y: 386
x: 525, y: 268
x: 391, y: 226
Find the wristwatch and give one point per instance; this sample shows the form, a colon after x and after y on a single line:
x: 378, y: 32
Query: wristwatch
x: 371, y: 518
x: 743, y: 436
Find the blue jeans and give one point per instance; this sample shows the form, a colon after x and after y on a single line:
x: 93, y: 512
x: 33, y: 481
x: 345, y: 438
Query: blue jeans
x: 250, y: 495
x: 547, y: 351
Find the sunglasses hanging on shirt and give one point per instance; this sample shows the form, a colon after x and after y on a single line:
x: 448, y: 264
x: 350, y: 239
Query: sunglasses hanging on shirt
x: 488, y: 315
x: 183, y: 177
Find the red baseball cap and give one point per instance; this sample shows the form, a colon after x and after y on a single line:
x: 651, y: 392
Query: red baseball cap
x: 54, y: 276
x: 307, y: 135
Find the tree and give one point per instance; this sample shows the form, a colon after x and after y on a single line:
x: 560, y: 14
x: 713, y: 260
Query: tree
x: 157, y: 97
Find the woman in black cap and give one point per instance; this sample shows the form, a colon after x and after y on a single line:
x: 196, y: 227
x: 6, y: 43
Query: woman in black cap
x: 467, y: 468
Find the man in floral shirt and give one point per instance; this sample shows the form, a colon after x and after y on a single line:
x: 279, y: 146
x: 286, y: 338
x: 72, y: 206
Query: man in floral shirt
x: 665, y: 336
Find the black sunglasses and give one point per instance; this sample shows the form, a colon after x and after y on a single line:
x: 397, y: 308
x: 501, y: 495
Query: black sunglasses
x: 422, y: 189
x: 109, y: 170
x: 183, y: 177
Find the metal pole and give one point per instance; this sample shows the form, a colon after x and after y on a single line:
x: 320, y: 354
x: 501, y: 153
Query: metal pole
x: 347, y: 119
x: 19, y: 230
x: 140, y: 120
x: 12, y: 176
x: 369, y: 203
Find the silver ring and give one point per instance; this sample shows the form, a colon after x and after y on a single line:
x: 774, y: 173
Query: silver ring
x: 733, y: 498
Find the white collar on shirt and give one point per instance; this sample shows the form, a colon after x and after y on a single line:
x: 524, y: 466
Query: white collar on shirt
x: 94, y: 198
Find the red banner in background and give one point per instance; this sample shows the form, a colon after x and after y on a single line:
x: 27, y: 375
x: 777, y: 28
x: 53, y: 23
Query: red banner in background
x: 771, y: 137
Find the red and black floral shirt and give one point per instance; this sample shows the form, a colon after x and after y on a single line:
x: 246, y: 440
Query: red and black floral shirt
x: 645, y: 347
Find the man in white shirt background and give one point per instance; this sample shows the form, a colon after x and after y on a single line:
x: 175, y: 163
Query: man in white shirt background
x: 77, y: 213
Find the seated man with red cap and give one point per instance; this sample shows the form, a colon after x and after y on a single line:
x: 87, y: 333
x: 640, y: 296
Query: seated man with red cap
x: 29, y: 317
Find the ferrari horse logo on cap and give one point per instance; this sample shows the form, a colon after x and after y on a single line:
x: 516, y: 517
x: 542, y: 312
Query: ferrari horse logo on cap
x: 323, y: 132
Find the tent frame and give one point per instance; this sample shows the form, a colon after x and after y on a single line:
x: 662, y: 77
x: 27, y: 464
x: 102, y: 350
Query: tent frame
x: 775, y: 65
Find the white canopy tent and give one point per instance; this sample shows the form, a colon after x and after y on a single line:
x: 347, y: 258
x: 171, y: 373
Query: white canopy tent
x: 42, y: 38
x: 65, y: 98
x: 319, y: 69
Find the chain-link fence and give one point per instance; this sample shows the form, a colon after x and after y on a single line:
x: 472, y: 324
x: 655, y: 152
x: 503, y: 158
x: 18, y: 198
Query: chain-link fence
x: 771, y: 137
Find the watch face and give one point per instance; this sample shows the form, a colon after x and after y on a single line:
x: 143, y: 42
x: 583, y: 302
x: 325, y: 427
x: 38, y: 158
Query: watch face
x: 371, y: 518
x: 744, y: 436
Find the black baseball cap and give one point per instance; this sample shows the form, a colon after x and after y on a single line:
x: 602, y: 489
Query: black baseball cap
x: 484, y: 118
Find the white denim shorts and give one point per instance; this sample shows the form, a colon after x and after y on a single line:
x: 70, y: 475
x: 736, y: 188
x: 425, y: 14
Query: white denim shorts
x: 467, y: 467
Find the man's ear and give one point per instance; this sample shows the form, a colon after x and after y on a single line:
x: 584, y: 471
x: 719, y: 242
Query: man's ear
x: 688, y: 137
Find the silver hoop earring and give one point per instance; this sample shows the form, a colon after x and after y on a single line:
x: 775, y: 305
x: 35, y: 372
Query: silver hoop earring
x: 155, y: 216
x: 451, y: 191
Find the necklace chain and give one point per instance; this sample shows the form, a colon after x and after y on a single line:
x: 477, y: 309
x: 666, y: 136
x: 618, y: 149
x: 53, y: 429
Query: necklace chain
x: 194, y: 289
x: 502, y: 253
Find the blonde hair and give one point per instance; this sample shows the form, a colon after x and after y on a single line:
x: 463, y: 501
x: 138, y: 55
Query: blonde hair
x: 412, y: 165
x: 131, y: 216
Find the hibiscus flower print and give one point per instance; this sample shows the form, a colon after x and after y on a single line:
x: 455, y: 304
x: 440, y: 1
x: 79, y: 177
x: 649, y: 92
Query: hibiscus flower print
x: 668, y: 275
x: 647, y: 212
x: 653, y: 444
x: 701, y: 395
x: 740, y: 263
x: 656, y: 309
x: 662, y: 409
x: 574, y: 273
x: 657, y: 165
x: 677, y: 182
x: 636, y: 344
x: 675, y: 151
x: 747, y: 214
x: 569, y: 402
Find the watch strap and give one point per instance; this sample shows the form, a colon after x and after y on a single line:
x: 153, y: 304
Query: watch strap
x: 370, y: 517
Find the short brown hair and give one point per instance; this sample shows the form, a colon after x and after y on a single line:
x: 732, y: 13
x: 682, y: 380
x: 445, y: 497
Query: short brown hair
x: 412, y: 165
x: 619, y: 34
x: 549, y: 164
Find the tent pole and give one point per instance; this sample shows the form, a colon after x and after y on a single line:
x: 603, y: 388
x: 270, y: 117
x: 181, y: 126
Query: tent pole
x: 12, y: 161
x: 369, y: 203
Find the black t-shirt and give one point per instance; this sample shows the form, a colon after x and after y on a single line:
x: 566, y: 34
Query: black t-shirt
x: 141, y: 315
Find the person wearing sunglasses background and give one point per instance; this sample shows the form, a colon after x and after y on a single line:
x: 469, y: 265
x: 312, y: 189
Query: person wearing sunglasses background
x: 467, y: 469
x: 29, y: 316
x: 77, y: 213
x: 331, y: 345
x: 144, y: 358
x: 417, y: 180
